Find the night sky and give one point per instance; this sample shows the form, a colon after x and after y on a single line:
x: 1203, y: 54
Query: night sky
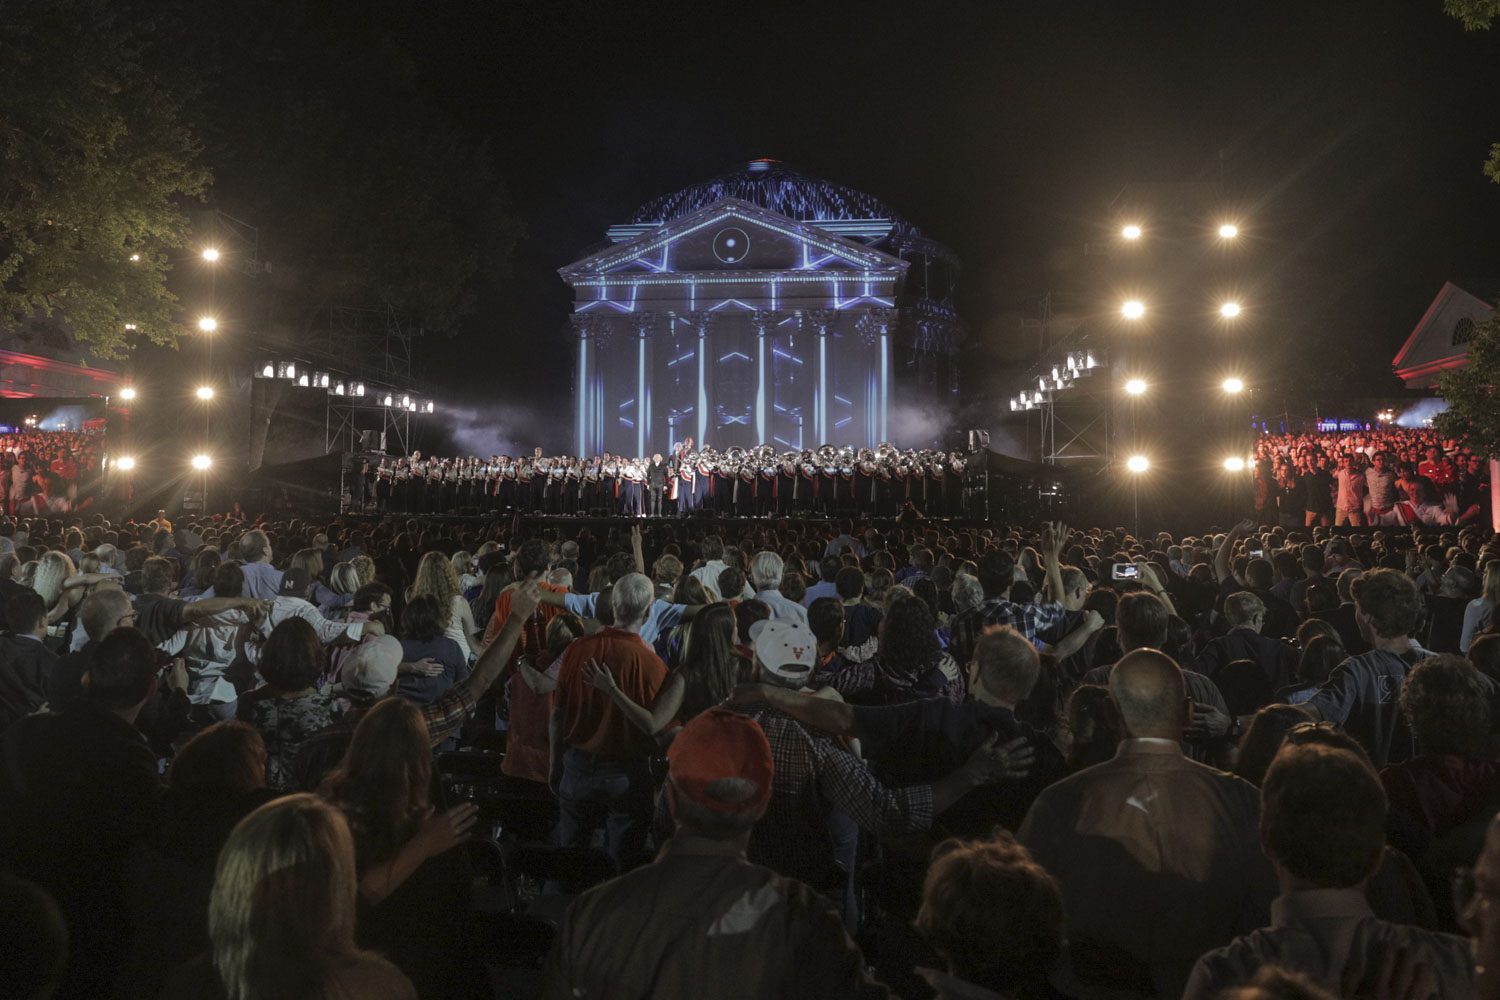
x: 1352, y: 134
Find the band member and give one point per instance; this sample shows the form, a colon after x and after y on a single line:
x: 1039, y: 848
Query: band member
x: 589, y: 490
x: 609, y: 492
x: 657, y: 472
x: 828, y: 483
x: 685, y: 483
x: 384, y: 479
x: 572, y: 482
x: 633, y: 481
x: 786, y: 483
x: 765, y: 490
x: 703, y: 482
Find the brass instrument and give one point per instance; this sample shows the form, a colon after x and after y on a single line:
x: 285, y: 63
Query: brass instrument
x: 734, y: 457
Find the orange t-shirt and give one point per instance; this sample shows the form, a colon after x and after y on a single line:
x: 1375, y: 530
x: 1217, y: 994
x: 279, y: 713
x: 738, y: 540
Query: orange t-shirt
x: 590, y: 720
x: 533, y: 634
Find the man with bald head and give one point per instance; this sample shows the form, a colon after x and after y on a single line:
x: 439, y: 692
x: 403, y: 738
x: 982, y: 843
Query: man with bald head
x: 1158, y: 856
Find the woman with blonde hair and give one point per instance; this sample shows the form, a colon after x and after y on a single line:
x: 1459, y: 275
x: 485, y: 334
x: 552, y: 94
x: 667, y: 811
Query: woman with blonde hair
x: 364, y: 567
x: 53, y: 570
x: 333, y: 600
x: 1479, y: 616
x: 463, y: 565
x: 437, y: 579
x: 281, y: 917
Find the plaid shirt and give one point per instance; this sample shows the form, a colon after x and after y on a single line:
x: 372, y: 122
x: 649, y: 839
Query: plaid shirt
x: 1028, y: 619
x: 814, y: 772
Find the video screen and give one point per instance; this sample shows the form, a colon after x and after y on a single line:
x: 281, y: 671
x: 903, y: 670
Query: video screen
x: 60, y: 441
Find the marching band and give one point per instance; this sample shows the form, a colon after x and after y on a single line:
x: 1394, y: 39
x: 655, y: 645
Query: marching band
x: 744, y: 482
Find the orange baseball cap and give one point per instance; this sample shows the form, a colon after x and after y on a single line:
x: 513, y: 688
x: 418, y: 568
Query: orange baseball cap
x: 719, y: 744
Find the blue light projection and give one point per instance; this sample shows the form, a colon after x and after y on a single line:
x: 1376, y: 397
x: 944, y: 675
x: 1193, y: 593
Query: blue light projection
x: 804, y: 346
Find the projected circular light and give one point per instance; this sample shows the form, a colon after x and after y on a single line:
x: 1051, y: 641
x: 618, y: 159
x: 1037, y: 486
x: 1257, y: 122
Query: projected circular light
x: 1131, y: 232
x: 1233, y: 385
x: 1234, y: 464
x: 1228, y: 231
x: 1138, y: 463
x: 1133, y: 309
x: 1136, y: 386
x: 202, y: 462
x: 125, y: 462
x: 731, y: 245
x: 1229, y: 310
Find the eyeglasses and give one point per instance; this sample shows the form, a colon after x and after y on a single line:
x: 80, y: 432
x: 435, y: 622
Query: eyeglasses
x: 1470, y: 891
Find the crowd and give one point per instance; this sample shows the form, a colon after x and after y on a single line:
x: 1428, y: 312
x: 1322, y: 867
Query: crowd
x: 1393, y: 476
x: 753, y: 482
x: 808, y: 759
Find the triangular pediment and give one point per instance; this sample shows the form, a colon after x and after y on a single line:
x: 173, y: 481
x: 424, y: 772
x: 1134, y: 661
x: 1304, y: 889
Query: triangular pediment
x: 1440, y: 339
x: 731, y: 235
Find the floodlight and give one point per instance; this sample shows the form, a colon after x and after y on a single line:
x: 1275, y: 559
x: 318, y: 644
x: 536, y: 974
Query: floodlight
x: 130, y: 326
x: 205, y: 392
x: 1234, y: 464
x: 210, y: 254
x: 135, y: 258
x: 1136, y: 386
x: 127, y: 393
x: 125, y: 462
x: 1138, y: 463
x: 1133, y: 309
x: 1131, y: 232
x: 208, y: 324
x: 202, y: 462
x: 1229, y: 231
x: 1233, y: 385
x: 1229, y: 310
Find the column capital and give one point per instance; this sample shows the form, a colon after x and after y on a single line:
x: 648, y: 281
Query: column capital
x: 762, y: 318
x: 700, y: 320
x: 644, y: 323
x: 820, y: 318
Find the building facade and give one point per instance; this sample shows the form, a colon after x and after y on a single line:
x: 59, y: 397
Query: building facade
x: 761, y: 307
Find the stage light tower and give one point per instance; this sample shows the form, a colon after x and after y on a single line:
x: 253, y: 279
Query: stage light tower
x: 1137, y: 464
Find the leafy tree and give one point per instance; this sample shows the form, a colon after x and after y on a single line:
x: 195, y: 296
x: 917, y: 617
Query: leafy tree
x: 97, y: 162
x: 1473, y: 409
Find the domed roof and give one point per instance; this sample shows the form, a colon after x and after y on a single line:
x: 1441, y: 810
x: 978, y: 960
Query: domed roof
x: 773, y: 185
